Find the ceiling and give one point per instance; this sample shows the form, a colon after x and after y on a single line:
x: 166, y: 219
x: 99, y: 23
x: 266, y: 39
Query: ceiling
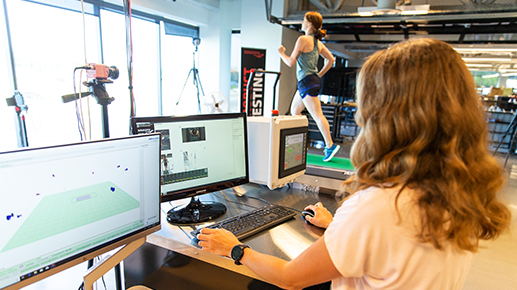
x: 483, y: 31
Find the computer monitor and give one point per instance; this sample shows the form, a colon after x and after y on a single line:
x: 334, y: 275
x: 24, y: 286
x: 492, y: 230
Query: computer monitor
x: 278, y: 149
x: 200, y: 154
x: 63, y: 205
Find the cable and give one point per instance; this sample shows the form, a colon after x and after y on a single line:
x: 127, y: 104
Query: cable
x: 79, y: 123
x: 129, y: 53
x: 81, y: 104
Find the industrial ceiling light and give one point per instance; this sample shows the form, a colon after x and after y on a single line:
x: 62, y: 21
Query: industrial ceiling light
x: 492, y: 59
x: 389, y: 7
x: 484, y: 49
x: 478, y: 65
x: 490, y: 76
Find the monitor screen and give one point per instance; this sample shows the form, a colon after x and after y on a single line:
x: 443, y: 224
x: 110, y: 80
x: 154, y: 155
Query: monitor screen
x: 63, y: 205
x: 199, y: 154
x: 293, y: 151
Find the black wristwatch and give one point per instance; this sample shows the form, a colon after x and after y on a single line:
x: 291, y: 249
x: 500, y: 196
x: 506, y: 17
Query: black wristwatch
x: 238, y: 252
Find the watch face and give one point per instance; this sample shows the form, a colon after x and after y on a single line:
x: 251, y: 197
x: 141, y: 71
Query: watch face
x: 237, y: 253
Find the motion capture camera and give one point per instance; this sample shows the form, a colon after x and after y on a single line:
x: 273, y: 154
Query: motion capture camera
x: 196, y: 41
x: 101, y: 71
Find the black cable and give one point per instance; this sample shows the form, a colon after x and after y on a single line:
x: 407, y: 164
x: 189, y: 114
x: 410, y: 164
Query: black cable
x: 104, y: 282
x: 79, y: 122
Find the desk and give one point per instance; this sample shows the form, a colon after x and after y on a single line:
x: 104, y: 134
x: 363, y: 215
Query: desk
x: 285, y: 241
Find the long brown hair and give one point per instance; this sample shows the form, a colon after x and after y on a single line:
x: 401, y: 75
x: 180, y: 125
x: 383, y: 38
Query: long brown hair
x: 423, y: 127
x: 316, y: 20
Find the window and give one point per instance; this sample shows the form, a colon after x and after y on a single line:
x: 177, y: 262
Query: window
x: 48, y: 43
x: 235, y: 65
x: 178, y: 56
x: 145, y: 69
x: 45, y: 56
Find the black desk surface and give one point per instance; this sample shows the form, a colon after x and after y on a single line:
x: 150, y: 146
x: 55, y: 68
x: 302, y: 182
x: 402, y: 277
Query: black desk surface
x: 285, y: 241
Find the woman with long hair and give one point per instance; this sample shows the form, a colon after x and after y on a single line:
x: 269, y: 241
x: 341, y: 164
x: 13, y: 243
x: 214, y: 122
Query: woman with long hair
x: 425, y: 191
x: 305, y: 55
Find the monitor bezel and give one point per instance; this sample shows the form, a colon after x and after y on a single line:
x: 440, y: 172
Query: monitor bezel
x: 207, y: 188
x: 97, y: 250
x: 281, y: 156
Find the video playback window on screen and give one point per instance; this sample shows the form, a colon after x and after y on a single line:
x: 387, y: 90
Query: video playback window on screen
x: 199, y: 152
x: 58, y: 203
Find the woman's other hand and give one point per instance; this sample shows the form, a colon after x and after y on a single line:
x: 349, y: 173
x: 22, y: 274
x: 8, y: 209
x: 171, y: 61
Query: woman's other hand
x: 322, y: 217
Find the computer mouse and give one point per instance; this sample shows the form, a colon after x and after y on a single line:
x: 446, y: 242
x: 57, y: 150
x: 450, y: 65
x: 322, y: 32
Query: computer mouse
x: 307, y: 212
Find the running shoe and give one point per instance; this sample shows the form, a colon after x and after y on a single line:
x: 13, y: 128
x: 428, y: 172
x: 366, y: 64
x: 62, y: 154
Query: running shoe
x: 330, y: 152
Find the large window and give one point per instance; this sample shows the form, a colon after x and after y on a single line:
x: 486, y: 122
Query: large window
x: 145, y: 69
x: 48, y: 42
x: 178, y: 56
x: 45, y: 54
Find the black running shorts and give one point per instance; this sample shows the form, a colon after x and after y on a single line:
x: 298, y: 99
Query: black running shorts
x: 310, y: 85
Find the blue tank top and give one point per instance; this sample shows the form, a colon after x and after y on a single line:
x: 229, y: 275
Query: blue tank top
x: 307, y: 63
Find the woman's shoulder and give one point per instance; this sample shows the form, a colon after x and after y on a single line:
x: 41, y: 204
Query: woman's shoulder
x: 305, y: 38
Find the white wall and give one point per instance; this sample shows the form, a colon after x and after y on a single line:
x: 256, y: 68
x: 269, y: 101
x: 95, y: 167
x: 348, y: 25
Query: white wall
x: 257, y: 32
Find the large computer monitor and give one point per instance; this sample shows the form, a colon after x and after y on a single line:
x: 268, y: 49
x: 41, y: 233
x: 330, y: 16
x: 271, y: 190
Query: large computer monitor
x: 200, y: 154
x: 63, y: 205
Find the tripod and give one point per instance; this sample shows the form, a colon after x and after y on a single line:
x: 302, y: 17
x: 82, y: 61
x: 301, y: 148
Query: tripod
x: 19, y: 106
x: 511, y: 130
x: 98, y: 90
x: 196, y: 80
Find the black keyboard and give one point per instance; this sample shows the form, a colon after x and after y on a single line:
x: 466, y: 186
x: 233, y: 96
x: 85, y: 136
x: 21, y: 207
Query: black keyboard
x: 250, y: 223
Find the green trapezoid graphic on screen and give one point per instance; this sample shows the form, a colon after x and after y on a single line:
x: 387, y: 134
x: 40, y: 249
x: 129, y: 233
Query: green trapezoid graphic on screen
x: 72, y: 209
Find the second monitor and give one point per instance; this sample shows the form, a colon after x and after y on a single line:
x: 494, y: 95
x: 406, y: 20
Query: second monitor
x: 200, y: 154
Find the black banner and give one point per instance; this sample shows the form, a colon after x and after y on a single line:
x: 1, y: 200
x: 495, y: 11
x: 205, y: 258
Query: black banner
x: 252, y: 58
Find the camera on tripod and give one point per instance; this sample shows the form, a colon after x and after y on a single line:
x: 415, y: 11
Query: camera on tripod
x: 102, y: 71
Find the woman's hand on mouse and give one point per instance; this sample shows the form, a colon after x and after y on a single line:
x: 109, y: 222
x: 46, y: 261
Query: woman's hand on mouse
x: 217, y: 241
x: 322, y: 217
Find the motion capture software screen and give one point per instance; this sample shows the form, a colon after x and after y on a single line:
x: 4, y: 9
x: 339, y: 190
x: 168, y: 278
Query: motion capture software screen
x: 58, y: 203
x: 201, y: 152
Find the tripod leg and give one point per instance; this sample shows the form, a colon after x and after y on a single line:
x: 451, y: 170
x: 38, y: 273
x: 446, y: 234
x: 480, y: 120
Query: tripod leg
x: 197, y: 82
x: 181, y: 94
x: 512, y: 143
x: 500, y: 142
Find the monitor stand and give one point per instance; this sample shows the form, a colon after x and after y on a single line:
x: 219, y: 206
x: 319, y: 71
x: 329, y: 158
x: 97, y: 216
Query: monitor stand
x: 98, y: 270
x: 195, y: 212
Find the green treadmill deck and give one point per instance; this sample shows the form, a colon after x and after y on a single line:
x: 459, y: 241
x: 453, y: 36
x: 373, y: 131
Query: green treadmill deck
x: 335, y: 163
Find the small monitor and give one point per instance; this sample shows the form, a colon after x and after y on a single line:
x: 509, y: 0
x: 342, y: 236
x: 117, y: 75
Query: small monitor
x: 200, y: 154
x: 293, y: 151
x: 63, y: 205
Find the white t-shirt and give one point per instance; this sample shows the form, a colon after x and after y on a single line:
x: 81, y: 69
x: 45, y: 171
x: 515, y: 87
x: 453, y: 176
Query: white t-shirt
x: 372, y: 249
